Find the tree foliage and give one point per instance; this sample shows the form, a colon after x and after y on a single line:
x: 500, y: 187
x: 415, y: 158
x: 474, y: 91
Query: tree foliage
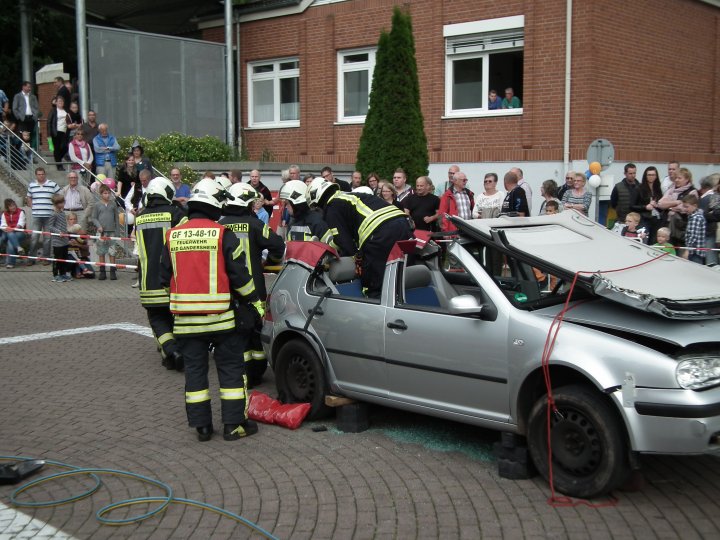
x: 53, y: 41
x: 393, y: 135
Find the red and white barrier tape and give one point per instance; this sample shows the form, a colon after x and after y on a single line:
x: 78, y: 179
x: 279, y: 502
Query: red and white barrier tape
x: 73, y: 261
x: 70, y: 235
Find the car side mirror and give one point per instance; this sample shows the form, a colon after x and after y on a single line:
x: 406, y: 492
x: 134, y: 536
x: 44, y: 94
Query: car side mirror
x: 465, y: 304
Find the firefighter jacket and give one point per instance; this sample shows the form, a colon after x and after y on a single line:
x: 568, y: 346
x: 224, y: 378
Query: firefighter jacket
x: 204, y: 268
x: 306, y: 225
x: 254, y: 237
x: 353, y: 218
x: 150, y: 228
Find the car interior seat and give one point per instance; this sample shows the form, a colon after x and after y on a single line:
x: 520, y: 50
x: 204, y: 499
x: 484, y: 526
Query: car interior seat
x: 419, y: 290
x: 343, y: 274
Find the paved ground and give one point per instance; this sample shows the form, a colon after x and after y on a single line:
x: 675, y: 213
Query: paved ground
x: 101, y: 399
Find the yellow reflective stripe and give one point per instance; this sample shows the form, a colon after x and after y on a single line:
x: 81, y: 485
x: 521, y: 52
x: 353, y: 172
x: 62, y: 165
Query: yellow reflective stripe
x: 201, y: 324
x: 246, y: 289
x: 328, y: 236
x: 257, y: 355
x: 369, y: 224
x: 154, y: 294
x: 238, y: 251
x: 213, y: 272
x: 362, y: 208
x: 190, y: 297
x: 266, y: 231
x: 247, y: 356
x: 143, y: 259
x: 245, y: 243
x: 197, y: 397
x: 165, y: 338
x: 198, y: 307
x: 232, y: 393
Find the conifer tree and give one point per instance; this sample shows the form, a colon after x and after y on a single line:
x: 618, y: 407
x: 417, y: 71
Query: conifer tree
x: 393, y: 135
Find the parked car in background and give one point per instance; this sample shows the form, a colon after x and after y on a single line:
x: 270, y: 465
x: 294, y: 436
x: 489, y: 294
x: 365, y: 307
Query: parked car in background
x: 470, y: 330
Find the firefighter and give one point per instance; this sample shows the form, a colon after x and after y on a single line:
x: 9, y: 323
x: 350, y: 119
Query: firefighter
x: 204, y: 267
x: 150, y: 227
x: 305, y: 224
x: 254, y: 236
x: 361, y: 225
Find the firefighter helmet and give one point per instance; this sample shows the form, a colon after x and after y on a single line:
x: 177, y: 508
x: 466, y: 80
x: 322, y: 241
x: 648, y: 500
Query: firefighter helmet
x: 244, y: 195
x: 224, y: 181
x: 162, y: 187
x: 317, y: 188
x: 293, y: 191
x: 208, y: 191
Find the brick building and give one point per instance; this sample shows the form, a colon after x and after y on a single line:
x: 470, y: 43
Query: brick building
x: 645, y: 75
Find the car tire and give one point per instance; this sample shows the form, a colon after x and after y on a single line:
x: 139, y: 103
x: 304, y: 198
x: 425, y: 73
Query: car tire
x: 300, y: 377
x: 589, y: 452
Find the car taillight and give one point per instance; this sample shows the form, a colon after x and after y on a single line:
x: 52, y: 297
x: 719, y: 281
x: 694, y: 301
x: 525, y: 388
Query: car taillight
x: 268, y: 313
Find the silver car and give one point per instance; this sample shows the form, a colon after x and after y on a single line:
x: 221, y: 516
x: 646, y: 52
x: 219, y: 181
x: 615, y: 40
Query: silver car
x: 489, y: 326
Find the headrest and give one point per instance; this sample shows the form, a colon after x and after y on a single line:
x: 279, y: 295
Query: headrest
x: 417, y: 276
x: 342, y: 269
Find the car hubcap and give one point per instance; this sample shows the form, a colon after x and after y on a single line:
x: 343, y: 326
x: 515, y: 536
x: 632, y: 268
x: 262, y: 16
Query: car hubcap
x: 300, y: 378
x: 576, y: 445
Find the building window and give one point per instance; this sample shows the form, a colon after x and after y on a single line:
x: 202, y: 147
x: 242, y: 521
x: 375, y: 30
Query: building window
x: 274, y: 93
x: 482, y: 56
x: 355, y: 72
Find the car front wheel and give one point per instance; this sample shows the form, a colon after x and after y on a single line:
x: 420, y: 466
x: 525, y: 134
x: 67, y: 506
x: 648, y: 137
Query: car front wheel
x: 300, y: 377
x: 589, y: 453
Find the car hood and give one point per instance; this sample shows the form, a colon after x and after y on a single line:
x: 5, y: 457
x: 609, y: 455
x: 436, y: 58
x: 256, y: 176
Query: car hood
x: 605, y: 314
x: 611, y: 266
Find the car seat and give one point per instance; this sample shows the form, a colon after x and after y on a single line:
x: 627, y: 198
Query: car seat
x: 343, y: 274
x: 419, y: 290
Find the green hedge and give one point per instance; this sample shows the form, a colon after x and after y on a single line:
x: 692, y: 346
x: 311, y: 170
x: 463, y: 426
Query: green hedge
x: 173, y: 147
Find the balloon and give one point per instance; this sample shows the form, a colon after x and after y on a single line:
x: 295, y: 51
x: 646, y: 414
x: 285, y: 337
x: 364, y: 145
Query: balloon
x: 588, y: 174
x: 594, y: 181
x: 595, y: 167
x: 101, y: 177
x: 109, y: 182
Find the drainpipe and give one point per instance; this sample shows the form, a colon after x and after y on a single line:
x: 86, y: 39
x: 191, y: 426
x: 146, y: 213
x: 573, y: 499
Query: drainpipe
x: 25, y: 37
x: 568, y: 58
x: 229, y: 74
x: 80, y: 32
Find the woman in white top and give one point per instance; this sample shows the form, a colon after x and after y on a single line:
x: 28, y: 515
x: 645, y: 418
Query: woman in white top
x: 489, y: 202
x: 57, y: 130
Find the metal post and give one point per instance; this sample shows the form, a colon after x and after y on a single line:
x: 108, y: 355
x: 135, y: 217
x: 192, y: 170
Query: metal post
x: 25, y: 47
x: 229, y: 74
x: 82, y: 58
x: 239, y: 82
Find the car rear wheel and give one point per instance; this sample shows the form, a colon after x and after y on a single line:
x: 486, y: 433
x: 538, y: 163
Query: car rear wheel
x: 589, y: 453
x: 300, y: 377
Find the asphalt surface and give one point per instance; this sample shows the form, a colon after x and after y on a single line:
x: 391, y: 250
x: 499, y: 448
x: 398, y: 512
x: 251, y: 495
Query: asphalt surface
x: 100, y: 399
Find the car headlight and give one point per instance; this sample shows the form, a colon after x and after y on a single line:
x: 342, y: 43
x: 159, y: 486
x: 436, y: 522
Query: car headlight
x: 696, y: 373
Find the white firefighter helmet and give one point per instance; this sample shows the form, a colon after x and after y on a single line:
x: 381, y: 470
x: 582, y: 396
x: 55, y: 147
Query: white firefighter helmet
x: 363, y: 189
x: 208, y: 191
x: 244, y: 195
x: 224, y: 181
x: 317, y: 188
x: 293, y: 191
x: 162, y: 187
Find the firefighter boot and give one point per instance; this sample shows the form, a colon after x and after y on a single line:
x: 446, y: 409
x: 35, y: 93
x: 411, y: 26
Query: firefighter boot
x: 204, y: 433
x: 233, y: 432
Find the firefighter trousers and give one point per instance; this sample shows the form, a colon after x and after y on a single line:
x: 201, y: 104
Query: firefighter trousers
x: 375, y: 252
x: 161, y: 322
x: 230, y: 364
x: 255, y: 360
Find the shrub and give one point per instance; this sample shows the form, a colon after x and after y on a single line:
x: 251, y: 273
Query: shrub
x: 170, y: 148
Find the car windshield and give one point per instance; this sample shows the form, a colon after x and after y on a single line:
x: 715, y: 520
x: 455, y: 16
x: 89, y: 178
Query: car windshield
x: 526, y: 285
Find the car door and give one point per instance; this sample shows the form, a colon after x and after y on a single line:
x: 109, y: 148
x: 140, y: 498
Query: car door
x: 453, y: 363
x: 351, y: 330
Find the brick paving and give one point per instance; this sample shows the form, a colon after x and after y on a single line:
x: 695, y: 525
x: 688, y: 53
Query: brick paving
x: 101, y: 399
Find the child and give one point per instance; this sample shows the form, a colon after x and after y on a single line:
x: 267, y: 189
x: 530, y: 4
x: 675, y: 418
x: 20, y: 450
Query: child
x: 630, y: 230
x: 551, y: 207
x: 58, y: 224
x: 106, y: 218
x: 695, y: 232
x: 79, y: 250
x: 12, y: 218
x: 663, y: 241
x: 260, y: 212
